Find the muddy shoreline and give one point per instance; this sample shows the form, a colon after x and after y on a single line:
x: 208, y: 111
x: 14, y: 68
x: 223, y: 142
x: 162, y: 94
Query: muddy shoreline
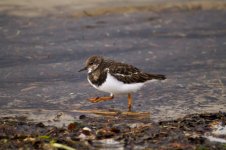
x: 43, y: 98
x: 121, y: 132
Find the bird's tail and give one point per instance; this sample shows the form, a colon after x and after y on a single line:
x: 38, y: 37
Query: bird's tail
x: 156, y: 76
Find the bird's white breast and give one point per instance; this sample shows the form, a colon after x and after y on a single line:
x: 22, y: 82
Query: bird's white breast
x: 114, y: 86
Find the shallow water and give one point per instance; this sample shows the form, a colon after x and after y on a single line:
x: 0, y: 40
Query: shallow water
x: 40, y: 59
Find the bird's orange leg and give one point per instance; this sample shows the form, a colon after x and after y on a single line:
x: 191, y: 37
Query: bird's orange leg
x: 129, y: 101
x: 100, y: 99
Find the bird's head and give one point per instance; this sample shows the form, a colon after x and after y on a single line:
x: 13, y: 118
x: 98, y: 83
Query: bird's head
x: 92, y: 63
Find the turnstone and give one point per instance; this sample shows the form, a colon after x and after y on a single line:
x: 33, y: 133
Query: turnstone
x: 116, y: 78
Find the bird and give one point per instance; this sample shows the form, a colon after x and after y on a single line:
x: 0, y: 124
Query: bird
x: 116, y: 78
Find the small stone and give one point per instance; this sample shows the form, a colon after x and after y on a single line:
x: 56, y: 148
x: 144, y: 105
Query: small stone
x: 104, y: 133
x: 86, y: 131
x: 40, y: 124
x: 71, y: 126
x: 82, y: 136
x: 82, y: 117
x: 115, y: 130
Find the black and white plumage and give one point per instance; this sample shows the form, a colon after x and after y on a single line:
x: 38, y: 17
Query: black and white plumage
x: 115, y: 77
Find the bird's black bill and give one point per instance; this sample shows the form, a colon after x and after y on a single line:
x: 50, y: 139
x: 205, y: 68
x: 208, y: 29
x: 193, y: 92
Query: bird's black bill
x: 83, y: 69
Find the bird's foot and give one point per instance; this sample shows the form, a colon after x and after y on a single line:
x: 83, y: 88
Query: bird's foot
x: 130, y: 108
x: 100, y: 99
x: 94, y: 99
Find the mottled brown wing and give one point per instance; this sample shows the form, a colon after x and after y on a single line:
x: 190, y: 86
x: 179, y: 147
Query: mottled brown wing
x: 128, y: 73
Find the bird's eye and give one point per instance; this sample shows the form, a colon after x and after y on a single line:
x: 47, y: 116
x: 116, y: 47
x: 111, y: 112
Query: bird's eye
x: 91, y: 64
